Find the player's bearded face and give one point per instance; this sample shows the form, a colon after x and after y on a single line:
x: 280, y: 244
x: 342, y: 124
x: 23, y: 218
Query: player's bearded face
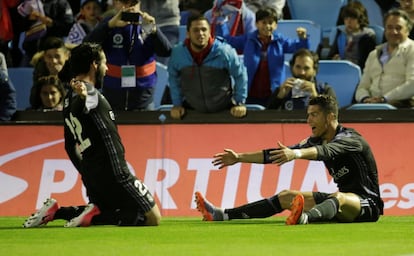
x: 99, y: 75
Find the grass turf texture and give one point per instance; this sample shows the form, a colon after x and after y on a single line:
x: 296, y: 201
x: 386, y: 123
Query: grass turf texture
x: 191, y: 236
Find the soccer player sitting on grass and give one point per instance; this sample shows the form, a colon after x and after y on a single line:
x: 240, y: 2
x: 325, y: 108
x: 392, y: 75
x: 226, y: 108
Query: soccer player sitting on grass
x: 94, y: 146
x: 347, y: 157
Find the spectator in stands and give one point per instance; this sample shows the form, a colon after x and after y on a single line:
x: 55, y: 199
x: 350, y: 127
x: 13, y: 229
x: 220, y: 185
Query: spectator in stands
x: 47, y: 94
x: 87, y: 19
x: 201, y: 71
x: 255, y: 5
x: 6, y: 24
x: 58, y: 17
x: 264, y: 55
x: 296, y: 91
x: 355, y: 41
x: 49, y: 61
x: 167, y: 15
x: 131, y: 48
x: 3, y: 63
x: 408, y: 7
x: 389, y: 70
x: 8, y: 103
x: 230, y: 18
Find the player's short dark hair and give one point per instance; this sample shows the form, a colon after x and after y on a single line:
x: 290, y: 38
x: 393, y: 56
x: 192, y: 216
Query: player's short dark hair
x: 83, y: 55
x: 327, y: 103
x: 305, y: 52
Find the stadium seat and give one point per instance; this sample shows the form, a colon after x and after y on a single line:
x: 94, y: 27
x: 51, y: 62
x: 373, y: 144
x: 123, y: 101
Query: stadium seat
x: 372, y: 106
x: 162, y: 82
x: 375, y: 16
x: 343, y: 76
x: 322, y: 12
x: 288, y: 29
x: 254, y: 107
x: 182, y: 33
x: 379, y: 33
x: 22, y: 79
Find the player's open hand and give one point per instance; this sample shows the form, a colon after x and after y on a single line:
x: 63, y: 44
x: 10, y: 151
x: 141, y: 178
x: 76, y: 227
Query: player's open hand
x: 281, y: 155
x: 228, y: 157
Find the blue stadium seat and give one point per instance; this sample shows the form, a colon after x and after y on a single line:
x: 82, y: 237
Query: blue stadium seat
x: 162, y: 83
x: 182, y: 33
x: 254, y: 107
x: 375, y: 15
x: 322, y: 12
x: 288, y: 29
x: 22, y: 79
x: 343, y: 76
x: 371, y: 106
x: 379, y: 33
x: 251, y: 107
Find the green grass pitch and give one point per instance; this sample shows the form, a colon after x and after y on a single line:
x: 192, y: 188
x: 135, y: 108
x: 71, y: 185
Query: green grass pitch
x: 191, y: 236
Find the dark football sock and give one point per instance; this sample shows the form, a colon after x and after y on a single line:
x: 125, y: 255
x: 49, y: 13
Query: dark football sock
x: 118, y: 217
x: 259, y: 209
x: 324, y: 211
x: 68, y: 213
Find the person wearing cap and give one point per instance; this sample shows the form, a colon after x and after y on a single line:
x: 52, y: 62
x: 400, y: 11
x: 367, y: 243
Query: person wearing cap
x: 87, y: 19
x: 131, y: 47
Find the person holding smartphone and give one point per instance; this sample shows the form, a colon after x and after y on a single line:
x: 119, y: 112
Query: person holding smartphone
x: 131, y: 41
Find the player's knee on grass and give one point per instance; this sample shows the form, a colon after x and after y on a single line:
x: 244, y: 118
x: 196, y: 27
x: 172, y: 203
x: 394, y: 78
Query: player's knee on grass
x: 349, y: 206
x: 153, y: 217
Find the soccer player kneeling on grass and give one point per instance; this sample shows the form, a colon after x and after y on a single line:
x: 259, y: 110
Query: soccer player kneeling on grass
x: 347, y: 157
x: 94, y: 146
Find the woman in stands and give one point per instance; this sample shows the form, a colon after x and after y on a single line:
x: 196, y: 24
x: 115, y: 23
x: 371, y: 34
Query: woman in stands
x: 355, y: 40
x: 47, y: 94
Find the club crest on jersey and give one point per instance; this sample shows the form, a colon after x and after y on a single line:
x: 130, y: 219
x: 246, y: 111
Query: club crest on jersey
x: 117, y: 40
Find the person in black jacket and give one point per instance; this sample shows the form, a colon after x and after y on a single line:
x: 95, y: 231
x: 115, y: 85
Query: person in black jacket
x: 346, y: 155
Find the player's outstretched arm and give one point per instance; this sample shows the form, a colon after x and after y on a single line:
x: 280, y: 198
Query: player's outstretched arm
x: 229, y: 157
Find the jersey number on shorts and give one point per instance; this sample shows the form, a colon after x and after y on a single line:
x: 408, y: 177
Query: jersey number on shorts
x: 143, y: 190
x: 76, y: 128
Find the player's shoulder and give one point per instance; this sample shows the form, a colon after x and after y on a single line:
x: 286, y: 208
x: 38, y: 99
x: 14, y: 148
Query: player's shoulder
x: 347, y: 133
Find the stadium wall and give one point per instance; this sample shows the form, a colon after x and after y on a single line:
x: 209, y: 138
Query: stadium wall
x: 174, y: 160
